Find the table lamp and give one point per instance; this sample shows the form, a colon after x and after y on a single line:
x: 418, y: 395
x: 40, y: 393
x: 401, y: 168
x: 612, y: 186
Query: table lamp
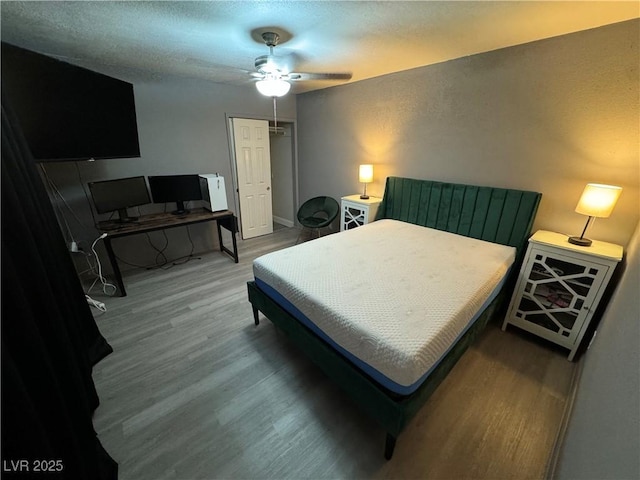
x: 366, y: 176
x: 596, y: 201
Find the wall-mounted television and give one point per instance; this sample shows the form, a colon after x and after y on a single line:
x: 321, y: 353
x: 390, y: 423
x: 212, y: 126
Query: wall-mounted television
x: 175, y: 188
x: 67, y: 112
x: 119, y: 194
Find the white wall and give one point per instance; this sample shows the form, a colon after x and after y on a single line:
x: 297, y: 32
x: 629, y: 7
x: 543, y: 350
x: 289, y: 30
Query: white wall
x: 548, y: 116
x: 182, y: 129
x: 603, y: 436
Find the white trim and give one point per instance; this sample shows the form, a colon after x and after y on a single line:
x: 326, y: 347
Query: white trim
x: 283, y: 221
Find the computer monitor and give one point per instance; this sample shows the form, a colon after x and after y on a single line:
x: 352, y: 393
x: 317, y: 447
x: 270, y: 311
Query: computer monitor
x: 175, y: 188
x: 118, y: 195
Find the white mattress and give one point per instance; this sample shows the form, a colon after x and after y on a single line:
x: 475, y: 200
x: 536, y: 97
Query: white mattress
x: 394, y: 295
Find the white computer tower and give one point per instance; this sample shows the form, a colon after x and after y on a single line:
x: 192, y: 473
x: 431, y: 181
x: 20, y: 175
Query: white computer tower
x: 214, y: 195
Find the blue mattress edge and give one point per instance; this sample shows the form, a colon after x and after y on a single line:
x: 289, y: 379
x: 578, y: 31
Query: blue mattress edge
x: 379, y: 377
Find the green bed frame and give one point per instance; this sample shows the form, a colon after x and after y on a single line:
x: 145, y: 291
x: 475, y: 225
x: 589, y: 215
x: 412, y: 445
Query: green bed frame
x: 497, y: 215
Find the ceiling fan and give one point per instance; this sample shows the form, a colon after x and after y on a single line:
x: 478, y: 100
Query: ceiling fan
x: 273, y: 72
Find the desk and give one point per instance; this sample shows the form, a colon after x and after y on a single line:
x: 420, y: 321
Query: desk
x: 162, y: 221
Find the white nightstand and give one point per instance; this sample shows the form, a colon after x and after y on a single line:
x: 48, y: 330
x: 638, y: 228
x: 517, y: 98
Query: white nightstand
x: 356, y: 211
x: 559, y: 287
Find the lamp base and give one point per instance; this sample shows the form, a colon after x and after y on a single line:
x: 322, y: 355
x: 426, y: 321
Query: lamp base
x: 364, y: 197
x: 583, y: 242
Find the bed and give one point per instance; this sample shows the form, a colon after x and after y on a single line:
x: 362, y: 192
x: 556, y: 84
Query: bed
x: 387, y: 309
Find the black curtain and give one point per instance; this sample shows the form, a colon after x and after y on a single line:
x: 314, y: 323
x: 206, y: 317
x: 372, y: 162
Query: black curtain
x: 50, y: 340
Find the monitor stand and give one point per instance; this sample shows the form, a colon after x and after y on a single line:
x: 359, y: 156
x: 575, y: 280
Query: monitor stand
x: 180, y: 210
x: 124, y: 217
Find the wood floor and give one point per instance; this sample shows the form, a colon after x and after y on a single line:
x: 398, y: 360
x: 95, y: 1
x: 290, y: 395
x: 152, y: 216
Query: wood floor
x: 194, y: 390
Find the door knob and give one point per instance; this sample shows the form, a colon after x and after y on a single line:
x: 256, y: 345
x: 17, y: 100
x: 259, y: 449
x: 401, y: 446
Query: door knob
x: 268, y: 188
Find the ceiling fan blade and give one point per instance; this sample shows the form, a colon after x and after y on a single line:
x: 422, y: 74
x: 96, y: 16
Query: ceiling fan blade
x: 274, y: 63
x: 279, y: 67
x: 319, y: 76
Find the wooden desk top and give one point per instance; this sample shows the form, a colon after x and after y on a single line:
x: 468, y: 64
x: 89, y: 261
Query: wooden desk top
x: 159, y: 221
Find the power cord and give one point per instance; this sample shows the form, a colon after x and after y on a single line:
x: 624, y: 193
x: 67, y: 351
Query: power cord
x: 99, y: 276
x: 160, y: 251
x: 166, y: 263
x: 186, y: 257
x: 94, y: 303
x: 56, y: 197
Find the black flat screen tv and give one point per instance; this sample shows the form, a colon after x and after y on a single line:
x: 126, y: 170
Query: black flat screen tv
x: 66, y: 112
x: 118, y: 195
x: 175, y: 188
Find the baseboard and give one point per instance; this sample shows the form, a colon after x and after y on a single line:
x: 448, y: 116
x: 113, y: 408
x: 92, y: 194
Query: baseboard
x: 552, y: 464
x: 283, y: 221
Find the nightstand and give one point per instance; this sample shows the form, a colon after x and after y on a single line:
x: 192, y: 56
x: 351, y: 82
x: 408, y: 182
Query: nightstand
x: 356, y: 211
x: 559, y: 287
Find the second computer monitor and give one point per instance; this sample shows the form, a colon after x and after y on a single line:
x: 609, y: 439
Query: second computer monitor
x: 175, y: 188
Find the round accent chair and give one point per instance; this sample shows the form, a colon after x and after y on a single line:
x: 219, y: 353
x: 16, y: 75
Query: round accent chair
x: 317, y: 213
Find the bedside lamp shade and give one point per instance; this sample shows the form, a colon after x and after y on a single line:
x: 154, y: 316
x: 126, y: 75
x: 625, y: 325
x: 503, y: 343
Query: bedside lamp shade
x: 597, y: 201
x: 365, y: 176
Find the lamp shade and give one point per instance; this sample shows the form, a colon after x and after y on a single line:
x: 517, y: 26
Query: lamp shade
x: 598, y: 200
x: 273, y: 87
x: 366, y: 173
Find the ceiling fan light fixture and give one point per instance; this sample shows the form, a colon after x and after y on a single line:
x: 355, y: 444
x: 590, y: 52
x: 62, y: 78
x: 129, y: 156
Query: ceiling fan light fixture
x: 273, y: 87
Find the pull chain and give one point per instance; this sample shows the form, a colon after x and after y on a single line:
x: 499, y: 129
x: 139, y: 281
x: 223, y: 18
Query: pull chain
x: 275, y: 116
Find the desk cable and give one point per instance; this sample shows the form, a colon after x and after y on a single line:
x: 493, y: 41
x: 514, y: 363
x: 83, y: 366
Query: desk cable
x: 99, y: 275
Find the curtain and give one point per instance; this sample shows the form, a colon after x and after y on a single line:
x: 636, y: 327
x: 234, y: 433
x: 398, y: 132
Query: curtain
x: 50, y: 340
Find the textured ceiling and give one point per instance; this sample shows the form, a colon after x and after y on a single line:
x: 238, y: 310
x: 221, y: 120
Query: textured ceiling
x: 219, y: 40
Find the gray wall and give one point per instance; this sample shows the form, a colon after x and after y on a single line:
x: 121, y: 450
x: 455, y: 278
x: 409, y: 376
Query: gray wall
x: 283, y: 176
x: 182, y: 129
x: 603, y: 436
x: 548, y: 116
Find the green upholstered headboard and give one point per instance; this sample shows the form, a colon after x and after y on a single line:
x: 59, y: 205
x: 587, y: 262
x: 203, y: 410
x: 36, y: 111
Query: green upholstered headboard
x: 496, y: 215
